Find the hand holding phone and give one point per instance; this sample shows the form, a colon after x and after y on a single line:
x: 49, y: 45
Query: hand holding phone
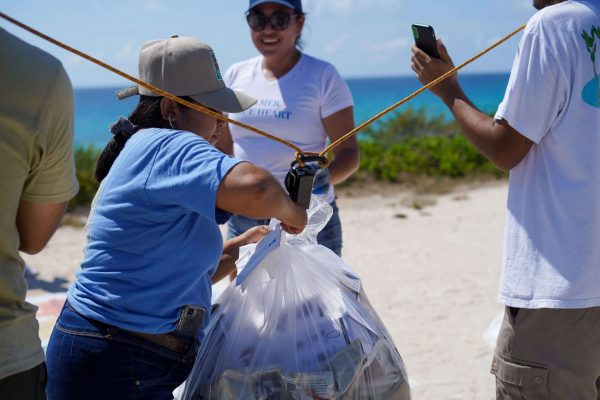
x: 425, y: 39
x: 435, y: 64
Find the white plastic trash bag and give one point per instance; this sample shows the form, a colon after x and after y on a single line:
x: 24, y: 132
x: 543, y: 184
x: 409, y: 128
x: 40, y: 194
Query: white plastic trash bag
x: 296, y: 324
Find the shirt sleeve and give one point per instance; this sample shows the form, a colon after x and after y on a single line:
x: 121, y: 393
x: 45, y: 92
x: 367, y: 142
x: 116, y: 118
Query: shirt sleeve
x: 335, y: 94
x: 536, y: 91
x: 52, y: 179
x: 228, y: 76
x: 187, y: 173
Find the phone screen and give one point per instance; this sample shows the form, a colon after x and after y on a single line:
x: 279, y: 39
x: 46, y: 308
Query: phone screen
x: 425, y: 39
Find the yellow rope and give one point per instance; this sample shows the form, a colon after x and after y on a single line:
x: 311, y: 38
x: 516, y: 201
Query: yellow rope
x: 419, y: 91
x: 299, y: 152
x: 149, y: 86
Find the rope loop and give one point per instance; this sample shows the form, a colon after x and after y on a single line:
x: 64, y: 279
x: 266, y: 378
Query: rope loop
x: 303, y: 158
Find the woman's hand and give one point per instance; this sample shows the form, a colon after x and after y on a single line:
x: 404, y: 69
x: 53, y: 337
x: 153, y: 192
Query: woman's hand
x: 253, y: 235
x: 296, y: 221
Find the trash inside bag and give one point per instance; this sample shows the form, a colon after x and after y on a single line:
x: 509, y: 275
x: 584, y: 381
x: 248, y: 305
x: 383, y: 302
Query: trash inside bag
x: 297, y: 326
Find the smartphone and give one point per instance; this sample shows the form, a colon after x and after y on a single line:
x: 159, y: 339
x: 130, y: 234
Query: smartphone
x: 190, y: 320
x: 425, y: 39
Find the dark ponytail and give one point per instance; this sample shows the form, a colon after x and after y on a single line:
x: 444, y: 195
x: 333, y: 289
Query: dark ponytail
x: 147, y: 114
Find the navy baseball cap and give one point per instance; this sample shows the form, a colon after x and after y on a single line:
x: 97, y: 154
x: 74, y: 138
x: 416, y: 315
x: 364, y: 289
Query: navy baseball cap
x: 293, y: 4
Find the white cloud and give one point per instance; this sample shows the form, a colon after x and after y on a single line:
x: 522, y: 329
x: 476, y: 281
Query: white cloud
x: 153, y: 6
x: 389, y: 45
x: 73, y: 61
x: 482, y: 41
x: 126, y: 53
x: 348, y: 7
x: 517, y: 5
x: 337, y: 44
x: 341, y: 7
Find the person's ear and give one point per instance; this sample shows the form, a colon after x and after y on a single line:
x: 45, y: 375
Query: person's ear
x: 168, y: 109
x: 300, y: 25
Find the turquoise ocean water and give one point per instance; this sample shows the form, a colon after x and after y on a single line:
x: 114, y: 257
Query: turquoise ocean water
x: 97, y: 108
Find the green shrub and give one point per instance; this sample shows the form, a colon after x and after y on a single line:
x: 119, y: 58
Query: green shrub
x: 85, y: 164
x: 408, y: 143
x: 413, y: 143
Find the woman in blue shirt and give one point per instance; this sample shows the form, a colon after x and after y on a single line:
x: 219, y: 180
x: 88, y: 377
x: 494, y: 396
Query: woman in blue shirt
x: 132, y: 322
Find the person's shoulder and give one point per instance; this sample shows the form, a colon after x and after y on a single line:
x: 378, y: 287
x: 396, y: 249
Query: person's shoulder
x: 24, y: 55
x: 319, y: 69
x: 317, y: 63
x: 241, y: 69
x: 243, y: 65
x: 175, y: 141
x: 556, y: 16
x: 34, y: 73
x: 164, y: 136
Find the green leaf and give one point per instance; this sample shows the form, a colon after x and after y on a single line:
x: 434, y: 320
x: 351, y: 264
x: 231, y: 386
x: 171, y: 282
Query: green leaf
x: 586, y: 39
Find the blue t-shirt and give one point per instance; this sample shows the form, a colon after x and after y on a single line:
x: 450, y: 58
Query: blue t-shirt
x: 152, y: 239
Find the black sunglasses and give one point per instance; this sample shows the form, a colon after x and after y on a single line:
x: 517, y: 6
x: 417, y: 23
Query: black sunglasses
x: 279, y: 20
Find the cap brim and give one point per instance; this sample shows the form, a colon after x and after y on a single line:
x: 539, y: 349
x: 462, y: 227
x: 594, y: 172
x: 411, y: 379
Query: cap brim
x: 127, y: 92
x: 225, y: 100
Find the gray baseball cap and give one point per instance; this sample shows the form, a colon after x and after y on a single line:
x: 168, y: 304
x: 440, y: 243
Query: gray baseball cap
x: 184, y: 66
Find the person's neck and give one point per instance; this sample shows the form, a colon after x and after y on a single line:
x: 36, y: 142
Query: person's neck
x: 276, y: 67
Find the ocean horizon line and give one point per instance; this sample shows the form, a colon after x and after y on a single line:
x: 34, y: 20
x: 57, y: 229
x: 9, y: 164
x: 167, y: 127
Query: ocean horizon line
x: 347, y: 78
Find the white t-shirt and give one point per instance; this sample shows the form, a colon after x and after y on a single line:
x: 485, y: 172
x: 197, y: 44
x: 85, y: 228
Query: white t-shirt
x: 552, y: 232
x: 291, y: 107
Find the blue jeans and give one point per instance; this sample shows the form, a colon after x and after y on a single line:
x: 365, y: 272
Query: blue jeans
x: 330, y: 236
x: 91, y: 360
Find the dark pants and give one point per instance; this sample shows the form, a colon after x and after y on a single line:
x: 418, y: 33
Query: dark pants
x: 91, y: 360
x: 26, y: 385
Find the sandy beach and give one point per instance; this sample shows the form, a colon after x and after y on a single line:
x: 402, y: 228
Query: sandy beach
x: 429, y: 264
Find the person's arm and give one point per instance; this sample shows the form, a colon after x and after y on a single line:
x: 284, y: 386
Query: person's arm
x: 36, y: 223
x: 251, y: 191
x: 225, y: 142
x: 496, y: 140
x: 346, y: 156
x: 53, y: 181
x: 231, y: 252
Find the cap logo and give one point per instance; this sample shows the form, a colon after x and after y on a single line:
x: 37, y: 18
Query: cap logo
x: 218, y: 71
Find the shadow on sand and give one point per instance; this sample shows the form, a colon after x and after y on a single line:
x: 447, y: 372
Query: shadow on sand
x: 55, y: 286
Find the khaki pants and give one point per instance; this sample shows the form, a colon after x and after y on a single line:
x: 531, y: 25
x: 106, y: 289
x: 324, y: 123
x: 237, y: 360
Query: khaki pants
x: 549, y: 354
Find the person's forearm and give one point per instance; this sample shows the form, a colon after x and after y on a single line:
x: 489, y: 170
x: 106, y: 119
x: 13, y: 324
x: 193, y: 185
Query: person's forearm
x: 496, y: 140
x: 345, y: 163
x: 255, y: 194
x: 36, y: 223
x: 477, y: 126
x: 231, y: 251
x: 274, y: 201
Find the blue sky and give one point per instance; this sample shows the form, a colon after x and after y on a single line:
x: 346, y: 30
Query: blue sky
x: 362, y: 38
